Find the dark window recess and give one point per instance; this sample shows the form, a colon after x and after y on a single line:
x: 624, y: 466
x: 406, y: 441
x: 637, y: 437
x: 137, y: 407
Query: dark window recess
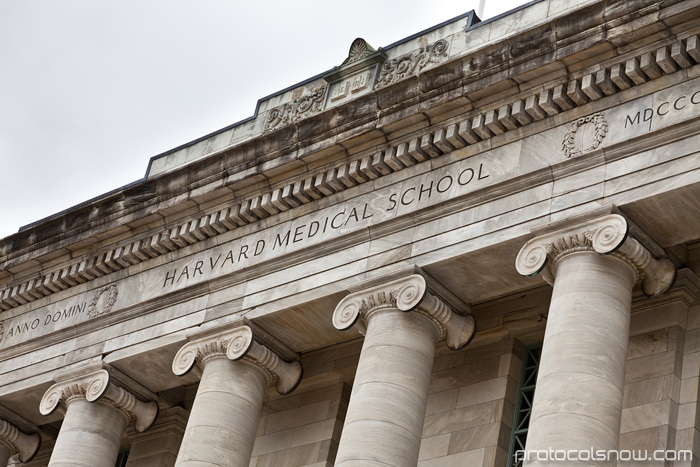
x: 122, y: 457
x: 523, y: 403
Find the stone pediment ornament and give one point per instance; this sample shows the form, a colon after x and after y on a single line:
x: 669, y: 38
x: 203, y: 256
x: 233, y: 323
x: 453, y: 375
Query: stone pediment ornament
x: 585, y: 135
x: 358, y: 50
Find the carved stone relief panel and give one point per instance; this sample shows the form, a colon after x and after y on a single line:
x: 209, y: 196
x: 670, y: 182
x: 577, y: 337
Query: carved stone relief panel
x: 413, y: 63
x: 299, y: 108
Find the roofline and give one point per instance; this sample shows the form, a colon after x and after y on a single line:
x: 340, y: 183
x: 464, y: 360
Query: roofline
x: 473, y: 22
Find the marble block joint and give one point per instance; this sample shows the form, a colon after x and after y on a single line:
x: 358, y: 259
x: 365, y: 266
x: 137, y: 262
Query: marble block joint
x: 13, y: 441
x: 406, y: 294
x: 240, y: 344
x: 608, y: 235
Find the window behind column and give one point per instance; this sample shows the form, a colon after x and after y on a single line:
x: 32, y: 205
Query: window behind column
x: 122, y: 457
x: 523, y: 402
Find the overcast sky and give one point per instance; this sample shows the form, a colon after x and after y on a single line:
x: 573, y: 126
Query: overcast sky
x: 90, y: 90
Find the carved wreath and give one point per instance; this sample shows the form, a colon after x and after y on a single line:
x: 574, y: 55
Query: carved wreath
x: 601, y: 129
x: 112, y: 292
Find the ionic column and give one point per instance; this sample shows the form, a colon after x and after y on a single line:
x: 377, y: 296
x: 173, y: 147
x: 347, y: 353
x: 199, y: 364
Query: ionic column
x: 13, y: 441
x: 235, y: 371
x: 593, y: 267
x: 401, y: 321
x: 96, y: 414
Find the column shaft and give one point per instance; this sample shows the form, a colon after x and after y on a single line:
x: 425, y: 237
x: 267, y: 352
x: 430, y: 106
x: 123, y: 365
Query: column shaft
x: 224, y: 418
x: 90, y: 435
x: 384, y: 422
x: 5, y: 453
x: 578, y: 397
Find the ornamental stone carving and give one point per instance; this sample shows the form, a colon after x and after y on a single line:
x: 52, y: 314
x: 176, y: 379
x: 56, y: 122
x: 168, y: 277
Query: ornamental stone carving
x: 412, y: 63
x: 97, y: 386
x: 585, y: 135
x: 103, y: 301
x: 296, y: 110
x: 406, y: 294
x: 19, y: 443
x: 607, y: 235
x: 239, y: 344
x: 358, y: 50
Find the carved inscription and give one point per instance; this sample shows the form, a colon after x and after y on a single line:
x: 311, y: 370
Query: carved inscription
x: 254, y: 248
x: 25, y: 326
x: 673, y: 105
x: 423, y: 192
x: 295, y: 235
x: 353, y: 85
x: 303, y: 232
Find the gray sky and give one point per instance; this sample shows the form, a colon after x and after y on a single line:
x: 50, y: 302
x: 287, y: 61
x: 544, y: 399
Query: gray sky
x: 91, y: 89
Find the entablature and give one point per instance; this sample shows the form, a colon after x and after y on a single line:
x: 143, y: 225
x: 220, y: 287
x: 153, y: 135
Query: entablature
x: 264, y: 179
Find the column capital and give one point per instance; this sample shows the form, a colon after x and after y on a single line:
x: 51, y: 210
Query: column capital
x: 98, y: 386
x: 606, y: 235
x: 408, y: 293
x: 20, y: 443
x: 239, y: 344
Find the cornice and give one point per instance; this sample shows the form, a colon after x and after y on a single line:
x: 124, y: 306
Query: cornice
x: 606, y: 235
x: 97, y: 386
x: 433, y: 144
x: 239, y: 344
x: 408, y: 294
x: 478, y: 126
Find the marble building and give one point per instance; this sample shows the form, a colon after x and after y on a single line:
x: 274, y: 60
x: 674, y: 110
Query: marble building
x: 482, y: 238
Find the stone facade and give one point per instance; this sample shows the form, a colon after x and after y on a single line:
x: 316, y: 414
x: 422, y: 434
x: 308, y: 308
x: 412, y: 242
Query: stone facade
x: 358, y: 274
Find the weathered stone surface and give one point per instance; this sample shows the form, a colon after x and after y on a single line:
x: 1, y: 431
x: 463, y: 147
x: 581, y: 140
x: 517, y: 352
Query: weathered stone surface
x: 444, y: 151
